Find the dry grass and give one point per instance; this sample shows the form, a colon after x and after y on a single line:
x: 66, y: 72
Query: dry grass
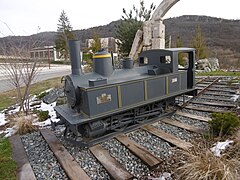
x: 202, y: 164
x: 234, y: 150
x: 237, y: 136
x: 23, y: 124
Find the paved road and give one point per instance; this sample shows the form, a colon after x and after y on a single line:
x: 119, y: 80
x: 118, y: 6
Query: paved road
x: 45, y: 73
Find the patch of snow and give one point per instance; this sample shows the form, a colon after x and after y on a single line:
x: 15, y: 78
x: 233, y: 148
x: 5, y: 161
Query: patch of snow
x: 17, y: 107
x: 2, y: 119
x: 13, y: 111
x: 49, y: 108
x: 46, y: 91
x: 180, y: 66
x: 220, y: 146
x: 9, y: 131
x: 52, y: 114
x: 163, y: 176
x: 43, y: 123
x: 235, y: 97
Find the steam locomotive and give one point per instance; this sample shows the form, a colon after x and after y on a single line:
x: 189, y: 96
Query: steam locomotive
x: 110, y: 100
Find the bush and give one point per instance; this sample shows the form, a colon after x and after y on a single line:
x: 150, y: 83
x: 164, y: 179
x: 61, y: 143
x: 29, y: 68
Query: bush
x: 223, y: 123
x: 24, y: 124
x: 42, y: 115
x: 87, y: 56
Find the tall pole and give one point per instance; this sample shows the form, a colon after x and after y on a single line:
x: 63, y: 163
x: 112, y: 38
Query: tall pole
x: 48, y: 57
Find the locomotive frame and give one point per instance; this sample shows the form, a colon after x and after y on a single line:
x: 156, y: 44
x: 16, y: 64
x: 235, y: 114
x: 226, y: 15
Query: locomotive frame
x: 108, y: 101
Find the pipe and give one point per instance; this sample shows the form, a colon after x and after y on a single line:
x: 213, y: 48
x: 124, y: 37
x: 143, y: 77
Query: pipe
x: 75, y: 57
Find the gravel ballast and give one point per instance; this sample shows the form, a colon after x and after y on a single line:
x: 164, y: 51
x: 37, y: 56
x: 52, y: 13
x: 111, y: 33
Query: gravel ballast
x: 130, y: 162
x: 84, y: 157
x: 196, y: 123
x: 41, y: 158
x: 175, y: 131
x: 194, y: 112
x: 155, y: 145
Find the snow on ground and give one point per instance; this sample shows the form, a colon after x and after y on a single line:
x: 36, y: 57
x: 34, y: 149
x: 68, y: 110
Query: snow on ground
x: 9, y: 131
x: 52, y: 114
x: 2, y: 119
x: 15, y: 110
x: 43, y: 107
x: 235, y: 98
x: 220, y: 146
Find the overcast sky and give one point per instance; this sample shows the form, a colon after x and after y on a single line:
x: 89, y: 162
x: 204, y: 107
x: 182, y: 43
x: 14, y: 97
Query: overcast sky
x: 26, y: 17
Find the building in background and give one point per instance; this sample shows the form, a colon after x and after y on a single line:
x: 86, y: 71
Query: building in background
x: 46, y: 53
x: 50, y: 53
x: 109, y: 44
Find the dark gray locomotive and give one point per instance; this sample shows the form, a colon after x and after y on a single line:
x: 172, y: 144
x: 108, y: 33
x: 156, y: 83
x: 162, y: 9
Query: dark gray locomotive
x: 110, y: 100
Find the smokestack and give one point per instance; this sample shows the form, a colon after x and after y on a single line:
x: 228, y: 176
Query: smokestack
x: 75, y: 57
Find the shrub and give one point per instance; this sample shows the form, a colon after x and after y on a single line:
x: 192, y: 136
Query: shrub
x: 42, y: 115
x: 223, y: 123
x: 201, y: 163
x: 87, y: 57
x: 24, y: 124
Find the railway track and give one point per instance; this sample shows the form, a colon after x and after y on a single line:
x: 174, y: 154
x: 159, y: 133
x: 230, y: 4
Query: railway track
x: 45, y: 154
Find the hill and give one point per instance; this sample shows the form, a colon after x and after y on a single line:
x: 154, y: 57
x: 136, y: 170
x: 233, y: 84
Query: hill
x: 47, y: 38
x: 222, y: 36
x: 218, y: 32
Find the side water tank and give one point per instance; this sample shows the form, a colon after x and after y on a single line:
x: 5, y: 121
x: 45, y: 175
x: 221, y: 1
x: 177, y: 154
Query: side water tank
x: 102, y: 63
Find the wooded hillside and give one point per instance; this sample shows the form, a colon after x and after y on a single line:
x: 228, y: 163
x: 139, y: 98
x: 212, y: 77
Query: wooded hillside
x: 222, y: 36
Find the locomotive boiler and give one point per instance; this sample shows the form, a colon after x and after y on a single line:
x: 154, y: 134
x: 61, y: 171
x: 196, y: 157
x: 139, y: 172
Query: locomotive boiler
x: 110, y: 100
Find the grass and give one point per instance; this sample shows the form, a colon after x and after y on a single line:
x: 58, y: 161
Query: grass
x: 9, y: 98
x: 201, y: 163
x: 7, y: 164
x: 218, y: 73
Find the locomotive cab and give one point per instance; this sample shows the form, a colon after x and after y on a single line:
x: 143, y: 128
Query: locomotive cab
x: 166, y: 61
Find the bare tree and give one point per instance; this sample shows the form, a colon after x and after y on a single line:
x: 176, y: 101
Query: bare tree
x: 20, y: 70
